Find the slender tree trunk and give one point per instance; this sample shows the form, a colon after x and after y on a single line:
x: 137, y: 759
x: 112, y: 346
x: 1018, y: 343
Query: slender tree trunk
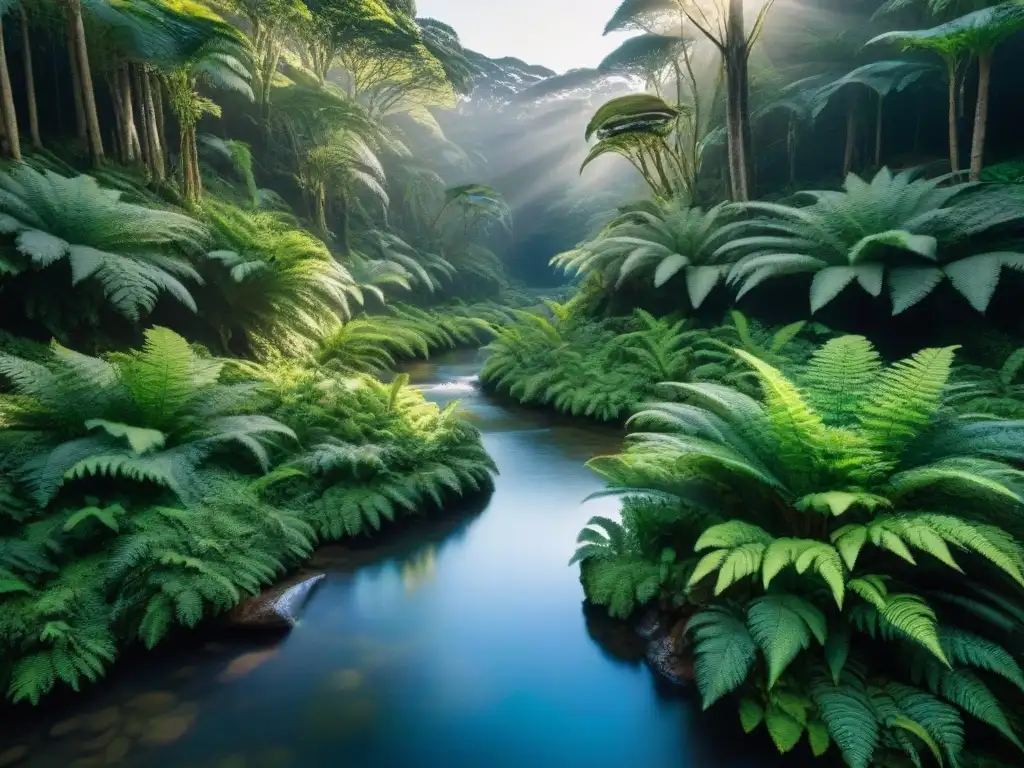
x: 321, y: 212
x: 92, y: 119
x: 736, y: 108
x: 851, y: 134
x: 143, y: 121
x: 136, y: 144
x: 124, y: 90
x: 158, y: 113
x: 878, y: 132
x: 30, y: 81
x: 185, y: 162
x: 156, y: 154
x: 980, y: 115
x: 954, y: 133
x: 341, y: 218
x: 7, y: 103
x: 122, y: 138
x: 76, y: 82
x: 195, y: 164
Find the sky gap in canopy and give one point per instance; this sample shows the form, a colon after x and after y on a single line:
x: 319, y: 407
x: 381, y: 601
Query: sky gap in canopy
x: 559, y: 34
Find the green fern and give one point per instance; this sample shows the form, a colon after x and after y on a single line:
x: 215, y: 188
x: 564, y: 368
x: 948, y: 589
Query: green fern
x: 841, y: 519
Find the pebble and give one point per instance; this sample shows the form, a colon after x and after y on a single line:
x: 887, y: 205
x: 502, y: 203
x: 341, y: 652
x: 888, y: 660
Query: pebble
x: 134, y: 726
x: 153, y: 702
x: 117, y: 750
x: 244, y: 664
x: 167, y: 729
x: 13, y: 755
x: 105, y: 718
x: 100, y: 741
x: 64, y: 727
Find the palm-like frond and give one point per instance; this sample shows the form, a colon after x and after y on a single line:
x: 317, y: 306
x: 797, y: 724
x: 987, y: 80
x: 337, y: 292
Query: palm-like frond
x: 895, y: 231
x: 656, y: 241
x: 273, y: 283
x: 134, y: 254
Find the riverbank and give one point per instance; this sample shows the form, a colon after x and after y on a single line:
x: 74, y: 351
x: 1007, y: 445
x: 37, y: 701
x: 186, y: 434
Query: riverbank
x: 461, y: 645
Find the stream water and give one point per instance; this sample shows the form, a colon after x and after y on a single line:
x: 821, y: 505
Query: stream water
x: 465, y: 646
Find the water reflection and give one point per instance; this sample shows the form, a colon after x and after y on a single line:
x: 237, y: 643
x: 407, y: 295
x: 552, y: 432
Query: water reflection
x: 460, y: 644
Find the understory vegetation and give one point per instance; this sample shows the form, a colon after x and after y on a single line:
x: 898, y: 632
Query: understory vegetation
x: 192, y: 325
x: 829, y: 525
x: 225, y: 224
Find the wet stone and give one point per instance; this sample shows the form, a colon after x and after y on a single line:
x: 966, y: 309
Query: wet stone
x: 64, y: 727
x: 153, y: 702
x: 134, y: 726
x: 167, y: 729
x: 650, y: 624
x: 105, y: 718
x: 244, y: 664
x: 663, y: 655
x: 276, y: 608
x: 117, y: 750
x: 100, y: 741
x: 13, y: 756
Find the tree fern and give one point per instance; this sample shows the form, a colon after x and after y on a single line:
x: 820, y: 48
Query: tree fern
x: 908, y: 234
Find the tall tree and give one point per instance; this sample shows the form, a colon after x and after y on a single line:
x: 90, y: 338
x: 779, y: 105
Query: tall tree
x: 30, y: 81
x: 270, y: 23
x: 977, y: 34
x: 79, y: 49
x: 10, y: 117
x: 723, y: 24
x: 335, y: 24
x: 880, y: 77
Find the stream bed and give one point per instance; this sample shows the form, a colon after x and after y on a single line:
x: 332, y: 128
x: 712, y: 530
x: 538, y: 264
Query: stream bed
x: 465, y: 646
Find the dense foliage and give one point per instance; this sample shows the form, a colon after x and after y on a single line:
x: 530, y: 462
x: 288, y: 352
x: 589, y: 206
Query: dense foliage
x: 604, y: 369
x: 206, y: 411
x: 136, y: 493
x: 846, y: 550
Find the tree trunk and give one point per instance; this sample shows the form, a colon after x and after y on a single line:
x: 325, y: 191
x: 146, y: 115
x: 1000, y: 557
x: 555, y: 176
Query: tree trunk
x: 851, y: 134
x: 122, y: 138
x: 954, y: 134
x: 158, y: 114
x: 878, y: 132
x: 980, y: 115
x: 7, y: 103
x: 195, y: 164
x: 156, y: 154
x: 30, y: 82
x: 341, y: 218
x: 321, y: 212
x: 736, y: 107
x: 185, y: 162
x: 143, y: 122
x: 124, y: 89
x: 92, y: 119
x: 76, y: 82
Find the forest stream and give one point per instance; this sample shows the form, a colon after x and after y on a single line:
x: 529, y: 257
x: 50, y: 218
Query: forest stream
x: 466, y: 648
